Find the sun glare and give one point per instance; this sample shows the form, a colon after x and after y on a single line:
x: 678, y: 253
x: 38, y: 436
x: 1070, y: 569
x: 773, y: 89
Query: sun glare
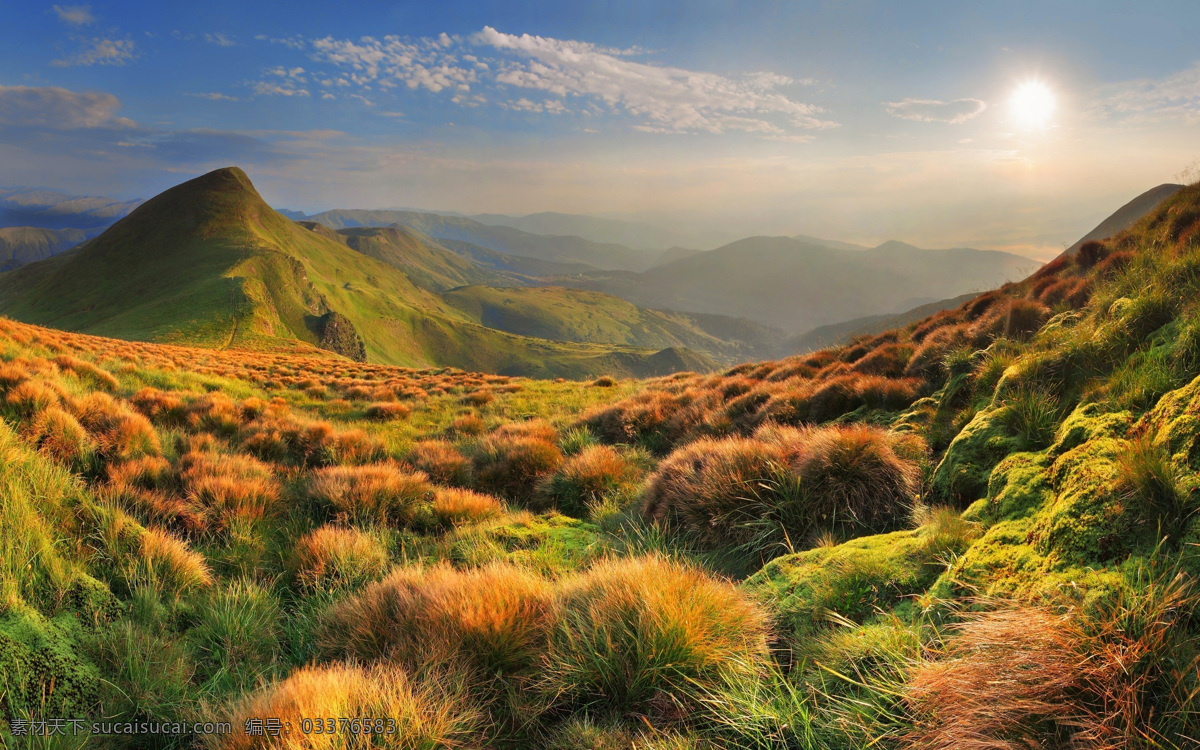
x: 1032, y: 105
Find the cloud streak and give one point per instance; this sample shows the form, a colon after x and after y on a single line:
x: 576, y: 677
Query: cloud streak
x: 1176, y: 97
x: 75, y: 15
x: 58, y: 109
x: 954, y: 112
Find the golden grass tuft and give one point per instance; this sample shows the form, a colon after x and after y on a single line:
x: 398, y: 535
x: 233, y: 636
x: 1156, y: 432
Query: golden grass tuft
x: 335, y: 555
x: 442, y: 462
x: 496, y: 617
x: 381, y: 493
x: 453, y: 507
x: 653, y: 636
x: 171, y: 564
x: 427, y: 714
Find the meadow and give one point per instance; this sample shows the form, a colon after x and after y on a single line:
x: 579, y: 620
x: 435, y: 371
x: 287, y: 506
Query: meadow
x: 978, y: 531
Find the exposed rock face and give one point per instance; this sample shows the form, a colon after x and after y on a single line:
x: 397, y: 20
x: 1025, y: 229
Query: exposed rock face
x: 336, y: 333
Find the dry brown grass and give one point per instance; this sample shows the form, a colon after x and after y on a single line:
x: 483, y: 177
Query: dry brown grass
x: 59, y: 435
x: 586, y: 478
x: 496, y: 617
x: 511, y: 463
x: 453, y: 507
x: 1019, y: 676
x: 228, y: 487
x: 334, y: 555
x: 442, y: 462
x: 424, y: 715
x: 388, y: 411
x: 379, y: 493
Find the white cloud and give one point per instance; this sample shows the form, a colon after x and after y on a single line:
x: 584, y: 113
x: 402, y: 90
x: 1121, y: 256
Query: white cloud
x: 214, y: 96
x: 220, y: 39
x: 666, y: 99
x: 57, y: 108
x: 75, y: 15
x: 658, y: 98
x: 954, y: 112
x: 100, y: 51
x: 1176, y: 97
x: 281, y: 88
x: 391, y: 61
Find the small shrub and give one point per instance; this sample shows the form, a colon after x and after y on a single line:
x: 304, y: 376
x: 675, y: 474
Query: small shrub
x: 604, y: 381
x: 337, y: 555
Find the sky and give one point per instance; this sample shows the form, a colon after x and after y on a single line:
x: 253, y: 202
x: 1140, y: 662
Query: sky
x: 851, y: 120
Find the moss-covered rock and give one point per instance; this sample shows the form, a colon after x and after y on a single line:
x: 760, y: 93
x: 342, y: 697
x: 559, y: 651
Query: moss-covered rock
x: 962, y: 476
x: 855, y: 579
x: 1175, y: 422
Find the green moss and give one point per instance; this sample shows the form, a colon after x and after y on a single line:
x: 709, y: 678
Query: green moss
x: 1019, y: 486
x: 854, y: 579
x: 962, y: 476
x: 551, y: 543
x: 40, y: 670
x: 1175, y: 422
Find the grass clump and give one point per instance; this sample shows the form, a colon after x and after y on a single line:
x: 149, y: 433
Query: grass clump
x: 428, y: 713
x: 511, y: 465
x: 653, y: 636
x: 585, y: 479
x: 767, y: 494
x: 337, y: 556
x: 379, y: 493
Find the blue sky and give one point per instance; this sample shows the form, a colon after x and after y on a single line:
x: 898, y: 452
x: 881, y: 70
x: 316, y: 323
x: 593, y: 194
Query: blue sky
x: 856, y: 120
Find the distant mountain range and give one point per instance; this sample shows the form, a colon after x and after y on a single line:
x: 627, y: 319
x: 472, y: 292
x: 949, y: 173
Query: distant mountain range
x: 796, y: 285
x: 48, y: 209
x: 209, y: 262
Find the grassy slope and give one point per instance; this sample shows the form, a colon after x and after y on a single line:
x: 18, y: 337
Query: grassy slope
x: 1063, y: 444
x: 209, y: 262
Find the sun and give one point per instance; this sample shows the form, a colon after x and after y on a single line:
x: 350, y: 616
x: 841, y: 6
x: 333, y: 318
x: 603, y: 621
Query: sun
x: 1032, y: 105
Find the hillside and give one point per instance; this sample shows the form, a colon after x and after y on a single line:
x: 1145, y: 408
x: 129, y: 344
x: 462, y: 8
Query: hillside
x: 581, y: 316
x: 21, y: 245
x: 796, y: 286
x: 209, y: 262
x: 837, y: 334
x: 501, y: 239
x: 979, y: 530
x: 1127, y: 215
